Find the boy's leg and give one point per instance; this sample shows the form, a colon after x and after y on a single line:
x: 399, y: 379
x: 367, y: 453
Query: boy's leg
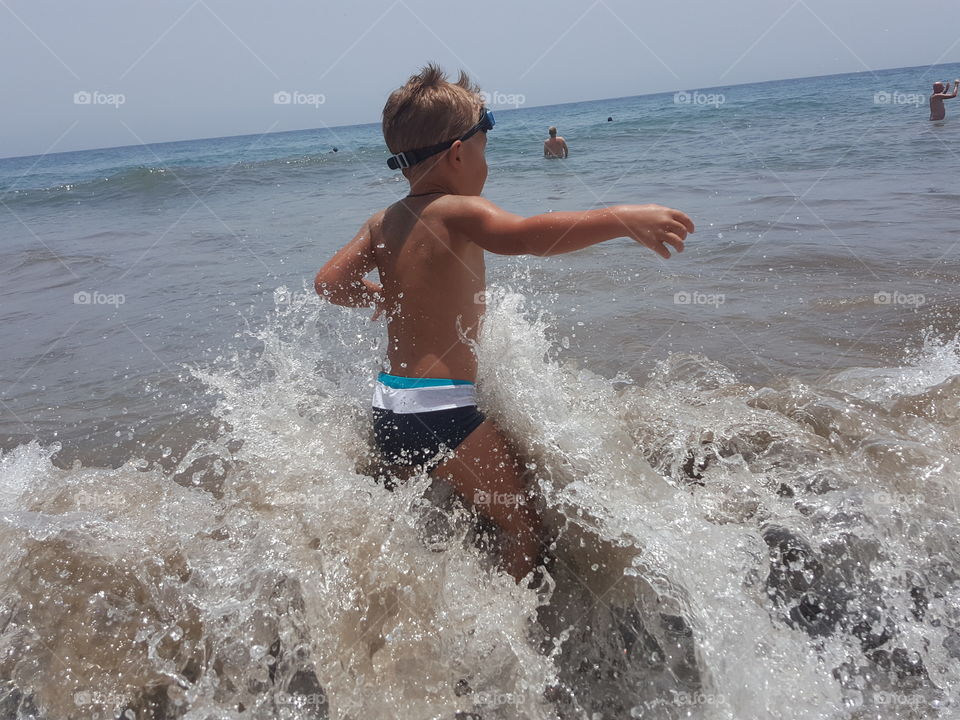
x: 486, y: 473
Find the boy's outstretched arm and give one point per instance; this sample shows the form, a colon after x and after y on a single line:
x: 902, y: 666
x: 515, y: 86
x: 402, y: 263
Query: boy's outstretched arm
x: 343, y: 279
x: 504, y: 233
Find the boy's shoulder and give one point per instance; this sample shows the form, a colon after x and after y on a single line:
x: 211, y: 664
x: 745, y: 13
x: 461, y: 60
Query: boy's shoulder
x: 373, y: 223
x: 447, y: 218
x: 445, y: 207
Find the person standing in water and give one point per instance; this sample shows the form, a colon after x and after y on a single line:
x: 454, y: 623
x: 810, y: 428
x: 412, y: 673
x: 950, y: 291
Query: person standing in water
x: 555, y: 146
x: 937, y: 111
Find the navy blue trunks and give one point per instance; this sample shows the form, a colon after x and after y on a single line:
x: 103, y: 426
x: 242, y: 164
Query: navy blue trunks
x: 416, y: 419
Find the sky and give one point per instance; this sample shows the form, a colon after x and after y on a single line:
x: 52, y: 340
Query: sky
x: 107, y: 73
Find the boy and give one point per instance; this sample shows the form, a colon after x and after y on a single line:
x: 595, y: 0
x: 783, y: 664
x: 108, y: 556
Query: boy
x: 429, y: 251
x: 555, y: 147
x: 937, y: 111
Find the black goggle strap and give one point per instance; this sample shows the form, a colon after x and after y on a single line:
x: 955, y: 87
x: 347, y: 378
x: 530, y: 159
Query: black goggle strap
x: 409, y: 158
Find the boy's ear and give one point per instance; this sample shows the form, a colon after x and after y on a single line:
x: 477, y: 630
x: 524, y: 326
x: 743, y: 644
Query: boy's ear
x: 453, y: 154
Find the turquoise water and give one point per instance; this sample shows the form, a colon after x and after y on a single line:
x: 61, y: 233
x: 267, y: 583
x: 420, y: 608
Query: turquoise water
x: 746, y: 453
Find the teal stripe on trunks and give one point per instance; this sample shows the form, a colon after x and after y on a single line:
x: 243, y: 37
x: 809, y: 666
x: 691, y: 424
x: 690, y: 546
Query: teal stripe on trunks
x: 407, y: 383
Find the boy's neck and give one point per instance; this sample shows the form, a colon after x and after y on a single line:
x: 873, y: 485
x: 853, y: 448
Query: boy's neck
x: 428, y: 187
x: 432, y: 180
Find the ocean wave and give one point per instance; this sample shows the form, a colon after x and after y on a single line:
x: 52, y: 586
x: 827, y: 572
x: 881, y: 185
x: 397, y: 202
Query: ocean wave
x: 123, y: 182
x: 165, y: 181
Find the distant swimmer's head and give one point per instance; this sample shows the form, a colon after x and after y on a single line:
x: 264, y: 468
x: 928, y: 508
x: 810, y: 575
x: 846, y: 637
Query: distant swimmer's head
x: 552, y: 131
x: 430, y: 115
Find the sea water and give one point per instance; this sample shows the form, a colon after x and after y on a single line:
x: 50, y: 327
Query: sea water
x: 746, y: 455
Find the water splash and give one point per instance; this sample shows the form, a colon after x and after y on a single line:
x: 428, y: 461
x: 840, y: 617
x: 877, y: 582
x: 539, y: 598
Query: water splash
x: 720, y: 550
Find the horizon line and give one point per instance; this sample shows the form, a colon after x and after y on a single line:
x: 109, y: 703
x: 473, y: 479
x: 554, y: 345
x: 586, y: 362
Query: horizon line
x: 504, y: 109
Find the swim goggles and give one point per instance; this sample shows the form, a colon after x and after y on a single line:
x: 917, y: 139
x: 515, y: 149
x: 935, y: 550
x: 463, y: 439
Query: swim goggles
x: 410, y: 158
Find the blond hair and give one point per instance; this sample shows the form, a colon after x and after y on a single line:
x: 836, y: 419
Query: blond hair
x: 429, y: 109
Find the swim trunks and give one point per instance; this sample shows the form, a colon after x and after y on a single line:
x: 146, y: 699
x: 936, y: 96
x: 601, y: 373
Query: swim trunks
x: 416, y: 419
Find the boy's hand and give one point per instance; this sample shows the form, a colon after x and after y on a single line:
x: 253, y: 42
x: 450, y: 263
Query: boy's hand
x: 655, y: 226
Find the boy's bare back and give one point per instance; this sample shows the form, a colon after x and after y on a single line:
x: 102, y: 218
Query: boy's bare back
x: 433, y: 288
